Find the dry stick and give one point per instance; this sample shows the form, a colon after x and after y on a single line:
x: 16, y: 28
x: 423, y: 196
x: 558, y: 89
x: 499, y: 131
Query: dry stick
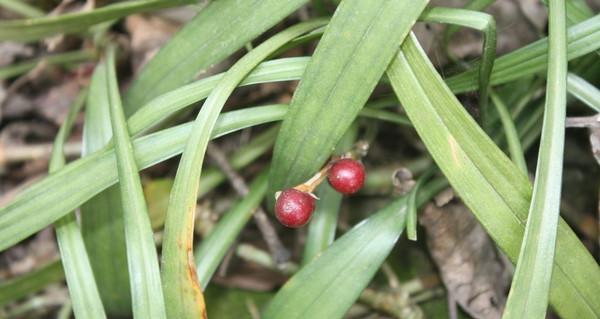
x: 280, y: 254
x: 25, y: 152
x: 584, y: 121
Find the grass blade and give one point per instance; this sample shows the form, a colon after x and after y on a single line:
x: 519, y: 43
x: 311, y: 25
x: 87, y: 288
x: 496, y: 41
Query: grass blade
x: 411, y: 218
x: 102, y: 216
x: 528, y: 296
x: 146, y: 290
x: 329, y: 285
x: 171, y: 102
x: 38, y: 28
x: 512, y: 136
x: 78, y: 271
x: 473, y: 5
x: 183, y: 295
x: 584, y: 91
x: 470, y: 160
x: 213, y: 248
x: 350, y: 59
x: 220, y: 29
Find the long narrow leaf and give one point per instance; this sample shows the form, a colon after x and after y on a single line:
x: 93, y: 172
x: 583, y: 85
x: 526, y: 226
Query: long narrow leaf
x: 357, y: 46
x: 471, y: 161
x: 512, y: 136
x: 584, y: 91
x: 329, y: 285
x: 102, y: 216
x: 183, y: 295
x: 37, y: 28
x: 528, y: 296
x: 217, y: 31
x: 146, y: 290
x: 78, y: 271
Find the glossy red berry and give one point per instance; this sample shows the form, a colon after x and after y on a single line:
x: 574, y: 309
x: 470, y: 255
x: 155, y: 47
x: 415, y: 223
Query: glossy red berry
x: 294, y: 208
x: 347, y: 176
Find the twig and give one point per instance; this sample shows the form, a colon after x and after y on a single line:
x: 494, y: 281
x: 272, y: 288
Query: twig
x: 584, y: 121
x: 452, y: 311
x: 280, y: 254
x: 20, y: 153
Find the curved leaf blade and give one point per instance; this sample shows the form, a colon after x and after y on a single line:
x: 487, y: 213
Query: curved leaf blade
x: 38, y: 28
x: 528, y: 296
x: 78, y: 271
x: 102, y: 216
x: 142, y: 259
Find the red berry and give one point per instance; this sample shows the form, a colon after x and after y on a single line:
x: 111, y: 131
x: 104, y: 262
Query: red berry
x: 347, y: 176
x: 293, y: 208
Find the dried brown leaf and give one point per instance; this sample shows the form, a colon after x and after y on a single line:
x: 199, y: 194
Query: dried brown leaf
x: 471, y: 268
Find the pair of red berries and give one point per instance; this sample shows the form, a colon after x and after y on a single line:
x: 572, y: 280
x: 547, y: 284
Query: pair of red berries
x: 294, y: 207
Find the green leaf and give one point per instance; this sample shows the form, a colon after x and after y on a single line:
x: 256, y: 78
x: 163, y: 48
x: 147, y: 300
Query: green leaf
x: 161, y: 107
x: 488, y: 182
x: 528, y: 296
x: 350, y: 59
x: 183, y: 295
x: 512, y: 136
x: 38, y: 28
x: 64, y: 191
x: 473, y: 5
x: 102, y: 216
x: 144, y: 274
x: 13, y: 70
x: 583, y: 38
x: 213, y: 247
x: 221, y: 28
x: 411, y: 218
x: 78, y: 271
x: 584, y: 91
x: 22, y: 286
x: 329, y: 285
